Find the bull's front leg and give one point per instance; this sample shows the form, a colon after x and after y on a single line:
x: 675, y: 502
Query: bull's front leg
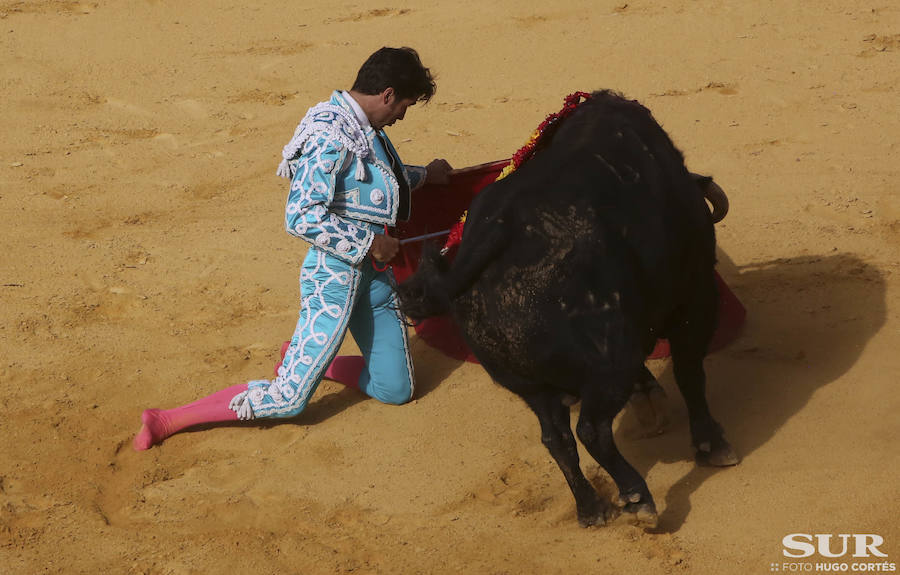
x: 556, y: 435
x: 689, y: 339
x: 706, y: 434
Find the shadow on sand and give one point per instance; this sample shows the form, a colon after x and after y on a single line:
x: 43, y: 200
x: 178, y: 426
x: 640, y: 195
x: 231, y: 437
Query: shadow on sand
x: 808, y: 320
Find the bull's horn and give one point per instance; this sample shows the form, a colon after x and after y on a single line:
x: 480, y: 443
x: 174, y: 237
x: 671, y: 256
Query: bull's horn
x: 715, y: 195
x: 718, y: 199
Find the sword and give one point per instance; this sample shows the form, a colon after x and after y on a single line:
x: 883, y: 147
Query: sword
x: 424, y: 237
x: 408, y: 241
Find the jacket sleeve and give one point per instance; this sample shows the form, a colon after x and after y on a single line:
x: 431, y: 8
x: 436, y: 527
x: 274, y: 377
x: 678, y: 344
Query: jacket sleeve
x: 308, y: 215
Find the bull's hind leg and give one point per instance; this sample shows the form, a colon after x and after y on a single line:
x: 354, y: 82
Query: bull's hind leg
x: 599, y: 405
x: 648, y: 403
x: 689, y: 340
x: 556, y: 435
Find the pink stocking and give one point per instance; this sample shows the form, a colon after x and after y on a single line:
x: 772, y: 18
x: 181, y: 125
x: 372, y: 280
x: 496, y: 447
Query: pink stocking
x: 158, y: 424
x: 284, y: 348
x: 344, y: 369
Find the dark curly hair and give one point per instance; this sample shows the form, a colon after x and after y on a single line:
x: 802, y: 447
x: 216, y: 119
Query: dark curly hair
x: 397, y: 68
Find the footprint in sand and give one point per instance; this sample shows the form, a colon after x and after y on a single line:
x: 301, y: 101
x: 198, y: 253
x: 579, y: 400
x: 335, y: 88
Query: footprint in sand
x: 369, y: 14
x: 530, y: 21
x: 720, y: 87
x: 875, y: 44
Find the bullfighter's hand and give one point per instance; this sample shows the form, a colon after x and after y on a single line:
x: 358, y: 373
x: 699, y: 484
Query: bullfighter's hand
x: 438, y: 171
x: 384, y: 248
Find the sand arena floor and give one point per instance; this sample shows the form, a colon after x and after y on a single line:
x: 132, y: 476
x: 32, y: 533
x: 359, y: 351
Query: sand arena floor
x: 144, y: 264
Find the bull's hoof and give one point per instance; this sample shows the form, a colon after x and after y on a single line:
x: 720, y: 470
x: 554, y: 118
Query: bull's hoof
x: 599, y: 517
x: 644, y: 515
x: 641, y: 507
x: 720, y: 454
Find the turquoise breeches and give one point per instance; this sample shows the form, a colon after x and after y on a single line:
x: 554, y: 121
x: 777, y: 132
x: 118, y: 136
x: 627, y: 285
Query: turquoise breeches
x: 337, y: 296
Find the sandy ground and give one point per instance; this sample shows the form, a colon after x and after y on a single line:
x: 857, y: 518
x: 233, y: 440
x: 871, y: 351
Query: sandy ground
x: 144, y: 264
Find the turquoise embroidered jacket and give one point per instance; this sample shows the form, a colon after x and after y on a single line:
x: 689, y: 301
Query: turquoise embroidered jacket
x: 336, y: 194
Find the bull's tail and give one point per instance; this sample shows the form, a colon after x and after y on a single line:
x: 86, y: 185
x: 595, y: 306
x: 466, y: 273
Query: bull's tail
x: 425, y: 294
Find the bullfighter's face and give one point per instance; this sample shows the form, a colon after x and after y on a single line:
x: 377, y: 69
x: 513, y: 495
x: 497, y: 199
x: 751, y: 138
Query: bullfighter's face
x: 392, y: 109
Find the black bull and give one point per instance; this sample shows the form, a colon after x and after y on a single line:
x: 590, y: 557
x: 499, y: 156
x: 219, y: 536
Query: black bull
x: 569, y: 270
